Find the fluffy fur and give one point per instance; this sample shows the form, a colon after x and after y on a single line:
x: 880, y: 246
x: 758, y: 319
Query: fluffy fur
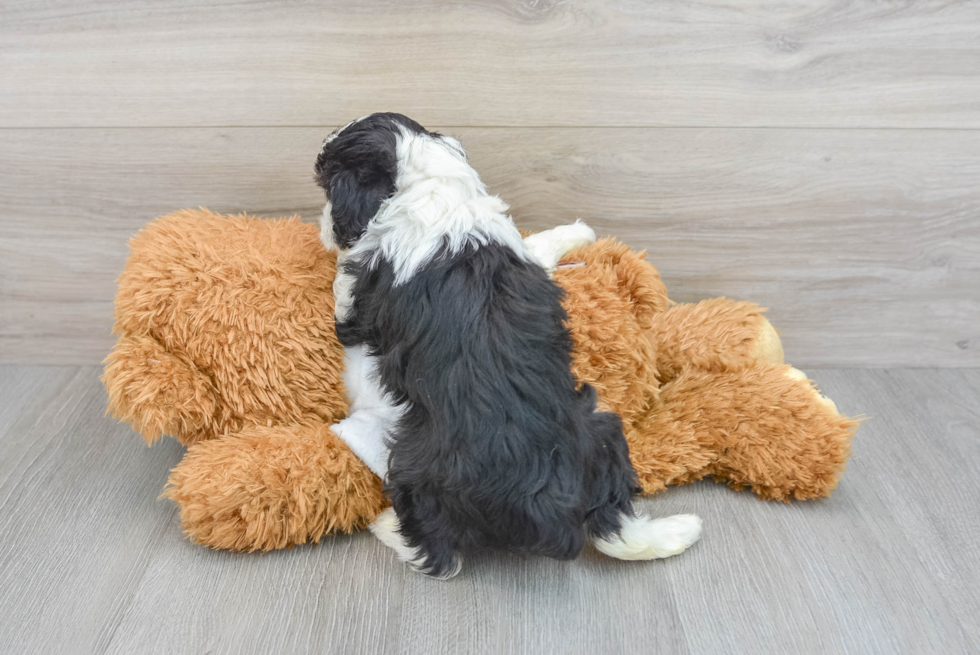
x: 645, y: 538
x: 372, y: 413
x: 425, y: 197
x: 494, y: 447
x: 266, y: 472
x: 277, y: 487
x: 195, y: 314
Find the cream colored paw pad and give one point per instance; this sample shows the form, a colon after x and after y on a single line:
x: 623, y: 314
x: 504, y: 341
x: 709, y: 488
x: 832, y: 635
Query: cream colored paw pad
x: 797, y: 374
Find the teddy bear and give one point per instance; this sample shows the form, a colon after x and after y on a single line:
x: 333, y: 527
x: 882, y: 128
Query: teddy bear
x: 226, y: 342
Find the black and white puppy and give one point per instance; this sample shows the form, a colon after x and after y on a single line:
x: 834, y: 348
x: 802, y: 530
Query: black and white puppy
x: 491, y: 443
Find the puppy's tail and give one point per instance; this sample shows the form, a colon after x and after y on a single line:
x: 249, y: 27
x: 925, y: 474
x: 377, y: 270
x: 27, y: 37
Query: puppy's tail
x: 612, y: 523
x: 641, y: 537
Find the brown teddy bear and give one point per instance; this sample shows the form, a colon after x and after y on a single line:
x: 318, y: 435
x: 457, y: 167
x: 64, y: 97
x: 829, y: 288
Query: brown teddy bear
x: 226, y: 342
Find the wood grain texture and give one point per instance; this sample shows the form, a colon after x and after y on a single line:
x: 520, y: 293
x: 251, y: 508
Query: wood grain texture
x: 864, y: 244
x: 515, y: 62
x: 91, y: 562
x: 78, y: 515
x: 869, y: 569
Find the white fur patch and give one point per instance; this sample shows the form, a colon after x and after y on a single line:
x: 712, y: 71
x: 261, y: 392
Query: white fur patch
x: 644, y: 538
x: 343, y: 289
x: 550, y: 246
x: 365, y: 434
x: 326, y: 228
x: 439, y: 199
x: 372, y: 416
x: 386, y: 528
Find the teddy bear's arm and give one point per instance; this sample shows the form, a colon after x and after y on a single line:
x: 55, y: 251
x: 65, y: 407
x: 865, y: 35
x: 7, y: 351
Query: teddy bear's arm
x: 714, y: 335
x: 763, y: 427
x: 158, y: 392
x: 267, y: 488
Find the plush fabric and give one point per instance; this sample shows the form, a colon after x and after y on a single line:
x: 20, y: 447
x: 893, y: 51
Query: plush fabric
x: 226, y: 342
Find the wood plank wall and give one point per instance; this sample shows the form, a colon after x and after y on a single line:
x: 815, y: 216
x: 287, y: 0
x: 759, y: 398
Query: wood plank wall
x: 821, y: 157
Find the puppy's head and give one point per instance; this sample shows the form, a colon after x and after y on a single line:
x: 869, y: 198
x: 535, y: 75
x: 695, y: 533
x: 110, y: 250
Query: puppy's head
x: 360, y: 165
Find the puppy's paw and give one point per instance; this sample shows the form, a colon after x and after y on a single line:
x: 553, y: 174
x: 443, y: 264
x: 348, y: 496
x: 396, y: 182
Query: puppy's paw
x: 387, y: 528
x: 576, y: 235
x: 677, y: 533
x: 450, y: 571
x: 644, y: 538
x: 550, y: 246
x: 566, y: 238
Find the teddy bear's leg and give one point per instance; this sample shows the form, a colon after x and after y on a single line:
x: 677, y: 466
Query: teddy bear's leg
x: 267, y: 488
x: 763, y: 427
x: 157, y: 392
x: 715, y: 335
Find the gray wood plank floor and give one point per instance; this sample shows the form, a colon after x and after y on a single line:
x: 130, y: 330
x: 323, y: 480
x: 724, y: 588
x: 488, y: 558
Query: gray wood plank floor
x: 92, y: 561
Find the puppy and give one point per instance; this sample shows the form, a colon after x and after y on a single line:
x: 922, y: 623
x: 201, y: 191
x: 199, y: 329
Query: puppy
x: 462, y: 335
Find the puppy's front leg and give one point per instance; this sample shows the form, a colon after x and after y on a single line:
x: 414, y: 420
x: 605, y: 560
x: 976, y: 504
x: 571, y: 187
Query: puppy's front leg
x: 434, y: 558
x: 550, y: 246
x: 371, y: 416
x: 343, y: 288
x: 365, y: 432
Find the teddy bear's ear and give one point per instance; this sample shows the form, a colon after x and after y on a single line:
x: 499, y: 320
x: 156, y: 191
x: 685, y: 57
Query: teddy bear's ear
x: 638, y: 280
x: 645, y: 287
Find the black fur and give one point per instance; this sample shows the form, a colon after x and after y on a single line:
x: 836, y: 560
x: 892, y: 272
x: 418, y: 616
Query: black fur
x: 496, y: 448
x: 357, y: 170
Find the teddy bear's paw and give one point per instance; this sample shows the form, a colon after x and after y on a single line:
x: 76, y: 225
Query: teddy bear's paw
x: 644, y: 538
x: 797, y: 374
x: 768, y: 346
x: 550, y: 246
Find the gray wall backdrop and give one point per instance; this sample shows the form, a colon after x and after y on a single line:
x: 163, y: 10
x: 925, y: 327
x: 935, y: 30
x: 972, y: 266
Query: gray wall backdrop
x: 821, y: 158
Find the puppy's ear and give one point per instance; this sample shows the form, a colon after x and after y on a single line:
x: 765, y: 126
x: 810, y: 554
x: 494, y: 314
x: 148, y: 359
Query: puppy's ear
x: 356, y: 196
x: 357, y: 168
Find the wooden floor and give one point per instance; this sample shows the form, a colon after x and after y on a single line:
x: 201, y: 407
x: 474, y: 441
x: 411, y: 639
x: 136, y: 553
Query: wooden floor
x: 91, y: 561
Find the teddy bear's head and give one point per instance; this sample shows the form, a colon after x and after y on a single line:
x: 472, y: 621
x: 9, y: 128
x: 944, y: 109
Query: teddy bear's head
x: 612, y: 296
x: 225, y: 322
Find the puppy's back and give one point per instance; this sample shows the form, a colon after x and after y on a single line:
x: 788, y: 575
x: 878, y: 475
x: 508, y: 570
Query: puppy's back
x: 494, y: 443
